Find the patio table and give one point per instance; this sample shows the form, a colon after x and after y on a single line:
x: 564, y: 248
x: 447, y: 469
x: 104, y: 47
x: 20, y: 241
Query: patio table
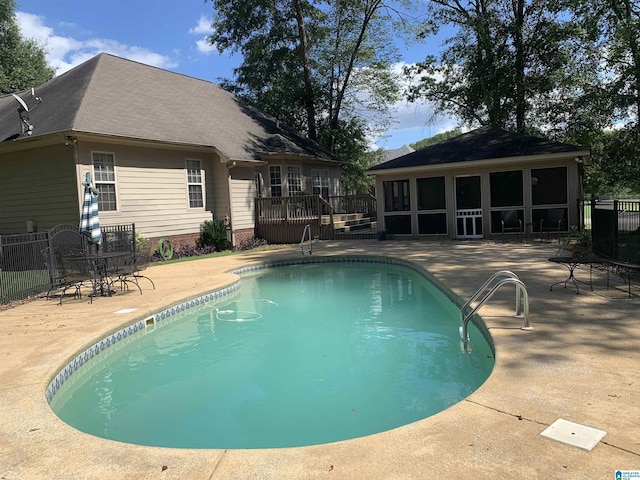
x: 572, y: 263
x: 104, y: 266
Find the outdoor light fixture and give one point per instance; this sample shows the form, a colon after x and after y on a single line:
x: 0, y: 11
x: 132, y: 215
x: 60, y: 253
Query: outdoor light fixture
x: 534, y: 180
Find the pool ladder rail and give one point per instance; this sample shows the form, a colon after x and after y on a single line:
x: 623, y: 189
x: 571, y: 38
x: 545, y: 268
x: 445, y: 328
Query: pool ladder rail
x: 522, y: 302
x: 306, y: 232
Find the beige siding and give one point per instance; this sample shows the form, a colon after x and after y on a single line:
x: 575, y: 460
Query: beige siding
x: 243, y: 193
x: 220, y: 190
x: 38, y: 185
x: 151, y: 188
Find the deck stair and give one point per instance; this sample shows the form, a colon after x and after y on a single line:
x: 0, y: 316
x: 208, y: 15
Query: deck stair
x: 345, y: 223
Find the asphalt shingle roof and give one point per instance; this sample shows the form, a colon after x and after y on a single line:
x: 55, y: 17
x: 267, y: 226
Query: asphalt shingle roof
x: 109, y: 95
x: 485, y: 143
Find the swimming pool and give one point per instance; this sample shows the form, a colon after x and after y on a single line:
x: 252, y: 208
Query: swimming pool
x: 299, y: 355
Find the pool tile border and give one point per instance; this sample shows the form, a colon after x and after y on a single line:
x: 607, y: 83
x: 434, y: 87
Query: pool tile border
x: 67, y: 376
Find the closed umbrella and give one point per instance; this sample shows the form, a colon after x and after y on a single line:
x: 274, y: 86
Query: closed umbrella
x: 89, y: 222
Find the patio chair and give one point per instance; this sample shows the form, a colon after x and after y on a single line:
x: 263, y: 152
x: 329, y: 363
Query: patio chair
x: 553, y: 222
x: 131, y: 271
x: 142, y: 260
x: 510, y: 222
x: 66, y: 259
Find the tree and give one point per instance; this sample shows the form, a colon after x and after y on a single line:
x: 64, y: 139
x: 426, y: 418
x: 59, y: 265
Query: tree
x: 437, y: 138
x: 507, y: 61
x: 22, y: 62
x: 316, y: 66
x: 609, y: 121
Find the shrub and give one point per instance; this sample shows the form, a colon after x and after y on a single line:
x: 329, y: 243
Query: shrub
x: 251, y: 243
x: 142, y: 243
x: 213, y: 233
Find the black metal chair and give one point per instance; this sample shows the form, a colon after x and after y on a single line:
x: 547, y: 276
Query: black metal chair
x: 553, y: 222
x: 66, y: 259
x: 511, y: 223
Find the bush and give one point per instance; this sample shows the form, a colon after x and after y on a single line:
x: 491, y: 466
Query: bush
x: 187, y: 251
x: 251, y: 243
x: 214, y: 233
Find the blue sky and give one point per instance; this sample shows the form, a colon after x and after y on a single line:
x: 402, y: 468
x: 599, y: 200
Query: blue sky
x: 171, y: 35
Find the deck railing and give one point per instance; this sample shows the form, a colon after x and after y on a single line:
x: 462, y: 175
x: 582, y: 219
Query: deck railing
x: 283, y: 219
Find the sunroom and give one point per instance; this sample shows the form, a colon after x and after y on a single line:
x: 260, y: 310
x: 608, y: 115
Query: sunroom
x: 482, y: 184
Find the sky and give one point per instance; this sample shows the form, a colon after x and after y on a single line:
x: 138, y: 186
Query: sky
x: 171, y: 34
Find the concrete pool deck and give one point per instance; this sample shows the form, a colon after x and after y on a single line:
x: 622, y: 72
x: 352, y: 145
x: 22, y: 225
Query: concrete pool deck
x: 581, y: 363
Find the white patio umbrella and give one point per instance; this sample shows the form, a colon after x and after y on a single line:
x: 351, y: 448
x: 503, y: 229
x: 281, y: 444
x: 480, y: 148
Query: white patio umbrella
x: 89, y: 222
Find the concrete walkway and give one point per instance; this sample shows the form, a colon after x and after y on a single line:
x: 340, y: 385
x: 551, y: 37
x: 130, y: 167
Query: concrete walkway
x: 580, y: 363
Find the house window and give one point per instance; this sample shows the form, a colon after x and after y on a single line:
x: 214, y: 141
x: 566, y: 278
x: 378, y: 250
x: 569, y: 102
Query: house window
x: 104, y: 173
x: 320, y: 182
x: 549, y: 186
x: 194, y: 183
x: 396, y: 196
x: 275, y: 181
x: 294, y: 180
x: 506, y: 189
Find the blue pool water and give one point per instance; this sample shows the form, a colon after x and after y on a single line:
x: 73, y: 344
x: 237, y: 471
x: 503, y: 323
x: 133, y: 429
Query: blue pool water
x: 299, y: 355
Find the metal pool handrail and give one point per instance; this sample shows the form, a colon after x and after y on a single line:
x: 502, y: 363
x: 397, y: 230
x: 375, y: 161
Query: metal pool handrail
x: 307, y: 228
x: 475, y: 296
x: 522, y: 303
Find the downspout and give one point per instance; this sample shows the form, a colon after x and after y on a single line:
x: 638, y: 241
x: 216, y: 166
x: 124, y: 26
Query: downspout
x: 72, y: 141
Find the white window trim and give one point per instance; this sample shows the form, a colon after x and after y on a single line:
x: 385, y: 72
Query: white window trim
x: 301, y: 177
x: 281, y: 184
x: 96, y: 182
x: 189, y: 183
x: 317, y: 172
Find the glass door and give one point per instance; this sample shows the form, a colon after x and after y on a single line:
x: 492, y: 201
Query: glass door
x: 468, y: 207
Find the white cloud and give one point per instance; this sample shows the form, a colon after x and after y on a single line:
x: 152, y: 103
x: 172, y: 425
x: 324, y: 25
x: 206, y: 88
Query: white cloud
x: 205, y: 47
x: 203, y: 27
x: 64, y: 53
x: 414, y: 121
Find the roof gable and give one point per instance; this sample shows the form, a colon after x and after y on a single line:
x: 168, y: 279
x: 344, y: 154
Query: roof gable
x: 485, y: 143
x: 108, y: 95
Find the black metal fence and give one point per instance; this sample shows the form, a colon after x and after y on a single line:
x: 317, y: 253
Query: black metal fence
x: 25, y: 266
x: 615, y: 229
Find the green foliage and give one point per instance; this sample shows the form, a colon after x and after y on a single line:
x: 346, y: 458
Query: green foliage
x: 142, y: 243
x: 213, y: 233
x: 507, y: 60
x: 22, y: 61
x: 440, y: 137
x: 616, y: 163
x: 323, y: 68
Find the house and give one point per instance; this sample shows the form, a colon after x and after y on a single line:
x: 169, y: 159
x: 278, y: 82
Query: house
x: 479, y: 183
x: 397, y: 152
x: 165, y: 151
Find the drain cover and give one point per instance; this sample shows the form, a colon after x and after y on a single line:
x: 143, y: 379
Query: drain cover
x: 574, y: 434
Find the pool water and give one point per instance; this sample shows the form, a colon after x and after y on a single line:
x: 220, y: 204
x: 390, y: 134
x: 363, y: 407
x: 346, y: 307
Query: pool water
x: 301, y: 355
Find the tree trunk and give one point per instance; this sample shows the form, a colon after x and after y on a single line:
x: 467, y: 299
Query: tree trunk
x: 308, y: 82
